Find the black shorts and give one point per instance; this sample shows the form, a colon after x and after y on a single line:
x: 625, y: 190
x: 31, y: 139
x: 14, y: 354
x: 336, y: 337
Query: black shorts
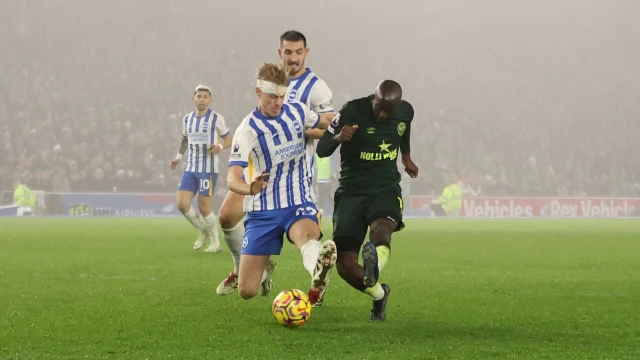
x: 354, y: 213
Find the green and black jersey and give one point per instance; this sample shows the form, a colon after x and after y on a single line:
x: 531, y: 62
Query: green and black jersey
x: 369, y: 160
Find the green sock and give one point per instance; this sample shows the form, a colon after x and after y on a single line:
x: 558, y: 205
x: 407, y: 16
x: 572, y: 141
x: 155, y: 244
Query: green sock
x: 383, y: 255
x: 376, y: 292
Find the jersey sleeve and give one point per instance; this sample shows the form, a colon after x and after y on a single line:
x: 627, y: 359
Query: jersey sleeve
x: 221, y: 125
x: 310, y: 118
x: 184, y: 125
x: 405, y: 144
x: 327, y: 144
x: 321, y: 97
x: 241, y: 147
x: 345, y: 116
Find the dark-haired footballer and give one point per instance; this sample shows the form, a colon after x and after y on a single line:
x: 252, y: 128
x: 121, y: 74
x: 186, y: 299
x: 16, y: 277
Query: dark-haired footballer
x: 372, y: 130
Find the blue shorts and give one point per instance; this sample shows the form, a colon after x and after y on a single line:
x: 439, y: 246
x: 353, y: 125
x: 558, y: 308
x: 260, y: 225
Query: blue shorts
x: 265, y: 230
x: 204, y: 184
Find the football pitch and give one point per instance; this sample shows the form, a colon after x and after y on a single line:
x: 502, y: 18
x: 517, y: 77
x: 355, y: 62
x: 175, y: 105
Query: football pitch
x: 107, y: 288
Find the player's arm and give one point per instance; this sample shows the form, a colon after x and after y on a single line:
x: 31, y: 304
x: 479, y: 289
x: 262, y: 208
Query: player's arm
x: 238, y: 161
x: 328, y: 142
x: 322, y: 102
x: 181, y: 149
x: 405, y: 144
x: 313, y: 120
x: 314, y: 134
x: 324, y: 121
x: 235, y: 182
x: 337, y: 132
x: 226, y: 142
x: 226, y: 137
x: 184, y: 143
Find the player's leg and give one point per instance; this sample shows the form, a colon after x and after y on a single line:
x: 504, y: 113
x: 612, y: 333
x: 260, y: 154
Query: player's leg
x: 251, y: 274
x: 374, y: 256
x: 187, y: 189
x: 350, y: 228
x: 205, y: 195
x: 303, y: 230
x: 384, y: 215
x: 230, y: 220
x: 349, y: 231
x: 375, y: 253
x: 353, y: 274
x: 263, y: 238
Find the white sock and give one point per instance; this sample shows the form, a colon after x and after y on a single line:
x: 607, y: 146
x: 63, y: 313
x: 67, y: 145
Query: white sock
x: 265, y: 274
x: 233, y: 239
x: 310, y: 252
x: 194, y: 219
x: 212, y: 224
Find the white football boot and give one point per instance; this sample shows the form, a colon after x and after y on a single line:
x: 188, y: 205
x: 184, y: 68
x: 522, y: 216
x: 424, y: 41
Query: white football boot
x: 265, y: 287
x: 326, y: 261
x: 228, y: 285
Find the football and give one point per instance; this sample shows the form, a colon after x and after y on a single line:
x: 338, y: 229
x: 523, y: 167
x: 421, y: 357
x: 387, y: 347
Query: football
x: 291, y: 308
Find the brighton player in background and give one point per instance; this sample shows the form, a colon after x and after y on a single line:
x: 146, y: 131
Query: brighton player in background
x: 268, y: 167
x: 371, y: 131
x: 304, y: 86
x: 200, y: 131
x: 307, y: 88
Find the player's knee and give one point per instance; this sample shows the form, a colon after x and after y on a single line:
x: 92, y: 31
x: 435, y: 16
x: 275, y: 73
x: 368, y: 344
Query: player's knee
x: 380, y: 233
x: 183, y: 206
x: 310, y: 231
x: 246, y: 295
x: 227, y: 220
x: 247, y: 292
x: 380, y: 237
x: 230, y: 215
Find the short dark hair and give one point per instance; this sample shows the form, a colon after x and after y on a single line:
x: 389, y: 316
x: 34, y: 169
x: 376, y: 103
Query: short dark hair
x: 293, y: 35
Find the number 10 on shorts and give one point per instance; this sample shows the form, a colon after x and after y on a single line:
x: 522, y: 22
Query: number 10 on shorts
x: 204, y: 184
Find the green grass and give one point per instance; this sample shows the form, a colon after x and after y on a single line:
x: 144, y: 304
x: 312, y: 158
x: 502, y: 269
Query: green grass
x: 503, y: 289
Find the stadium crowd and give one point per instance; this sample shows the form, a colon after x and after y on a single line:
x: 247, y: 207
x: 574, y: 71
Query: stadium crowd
x: 101, y: 112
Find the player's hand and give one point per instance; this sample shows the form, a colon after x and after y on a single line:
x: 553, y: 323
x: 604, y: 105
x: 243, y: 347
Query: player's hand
x: 215, y: 149
x: 173, y: 164
x: 411, y: 169
x: 259, y: 183
x: 346, y: 133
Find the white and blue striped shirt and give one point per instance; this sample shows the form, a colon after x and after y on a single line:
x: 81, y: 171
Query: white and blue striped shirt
x: 202, y: 131
x: 275, y: 144
x: 312, y: 91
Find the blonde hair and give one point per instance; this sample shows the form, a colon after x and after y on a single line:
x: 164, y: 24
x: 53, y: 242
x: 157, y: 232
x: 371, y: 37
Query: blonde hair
x: 202, y: 88
x: 274, y: 73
